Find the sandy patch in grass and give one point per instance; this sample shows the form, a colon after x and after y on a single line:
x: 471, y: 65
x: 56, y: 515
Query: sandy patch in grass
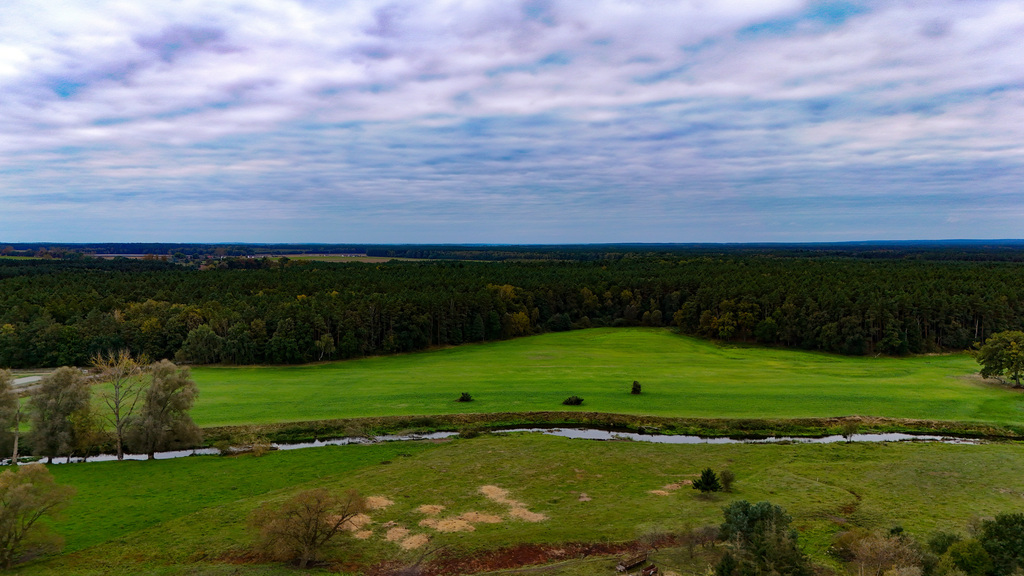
x: 363, y: 534
x: 584, y: 497
x: 659, y: 492
x: 447, y: 525
x: 524, y: 514
x: 500, y: 495
x: 378, y: 502
x: 430, y: 509
x: 396, y: 534
x: 479, y: 518
x: 415, y: 541
x: 356, y: 522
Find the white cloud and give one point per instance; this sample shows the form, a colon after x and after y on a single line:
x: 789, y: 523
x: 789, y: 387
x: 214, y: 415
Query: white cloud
x: 522, y: 107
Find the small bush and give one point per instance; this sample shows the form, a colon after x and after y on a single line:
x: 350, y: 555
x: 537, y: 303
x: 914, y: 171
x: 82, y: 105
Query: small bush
x: 466, y: 397
x: 636, y: 388
x: 708, y: 482
x: 941, y: 541
x: 573, y: 401
x: 469, y: 433
x: 727, y: 478
x: 850, y: 427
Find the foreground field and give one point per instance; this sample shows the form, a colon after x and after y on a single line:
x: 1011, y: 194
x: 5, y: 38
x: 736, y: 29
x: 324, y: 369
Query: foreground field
x: 681, y: 376
x: 188, y: 516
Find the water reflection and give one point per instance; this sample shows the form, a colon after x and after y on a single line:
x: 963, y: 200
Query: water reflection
x: 577, y: 433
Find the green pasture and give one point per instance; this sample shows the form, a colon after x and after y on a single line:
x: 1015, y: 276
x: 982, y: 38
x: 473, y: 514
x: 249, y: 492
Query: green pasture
x: 188, y: 516
x: 680, y: 376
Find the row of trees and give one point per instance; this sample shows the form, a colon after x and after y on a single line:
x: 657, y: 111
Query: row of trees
x: 62, y: 313
x: 142, y: 407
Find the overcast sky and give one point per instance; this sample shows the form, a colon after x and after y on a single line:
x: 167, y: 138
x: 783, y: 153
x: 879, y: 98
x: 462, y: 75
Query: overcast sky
x: 511, y: 121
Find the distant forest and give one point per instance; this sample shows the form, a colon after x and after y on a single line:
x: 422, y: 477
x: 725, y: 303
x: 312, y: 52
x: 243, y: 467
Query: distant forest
x: 921, y: 298
x: 969, y: 250
x: 247, y: 311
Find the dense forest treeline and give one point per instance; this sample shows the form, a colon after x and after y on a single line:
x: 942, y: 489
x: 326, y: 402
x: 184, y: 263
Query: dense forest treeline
x: 58, y: 312
x: 960, y: 250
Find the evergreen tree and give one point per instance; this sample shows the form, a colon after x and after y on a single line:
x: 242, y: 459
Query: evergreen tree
x: 708, y: 482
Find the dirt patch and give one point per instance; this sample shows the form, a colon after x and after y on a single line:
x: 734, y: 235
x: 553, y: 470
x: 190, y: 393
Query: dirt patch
x: 524, y: 514
x: 430, y: 509
x: 977, y: 380
x: 447, y: 524
x: 356, y: 522
x: 479, y: 518
x: 415, y: 541
x: 363, y: 534
x: 584, y: 498
x: 378, y: 502
x: 500, y: 495
x: 658, y: 492
x: 396, y: 534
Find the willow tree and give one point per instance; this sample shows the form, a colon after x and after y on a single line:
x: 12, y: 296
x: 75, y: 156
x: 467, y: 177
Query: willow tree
x: 55, y: 407
x: 163, y: 422
x: 10, y: 415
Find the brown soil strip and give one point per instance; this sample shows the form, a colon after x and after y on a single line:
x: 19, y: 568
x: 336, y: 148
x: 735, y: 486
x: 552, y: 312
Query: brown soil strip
x: 397, y: 533
x: 415, y: 541
x: 430, y: 509
x: 479, y: 518
x: 454, y: 525
x: 356, y: 522
x: 500, y: 495
x: 378, y: 502
x: 524, y: 514
x: 658, y: 492
x: 363, y: 534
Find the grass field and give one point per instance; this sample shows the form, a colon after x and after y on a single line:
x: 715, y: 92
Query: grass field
x: 187, y: 516
x: 681, y: 376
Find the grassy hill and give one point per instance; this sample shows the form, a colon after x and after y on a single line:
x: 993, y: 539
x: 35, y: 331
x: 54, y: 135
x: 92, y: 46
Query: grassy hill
x: 681, y: 376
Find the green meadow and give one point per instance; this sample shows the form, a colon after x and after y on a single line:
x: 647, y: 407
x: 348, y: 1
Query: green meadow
x: 681, y: 377
x: 187, y: 516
